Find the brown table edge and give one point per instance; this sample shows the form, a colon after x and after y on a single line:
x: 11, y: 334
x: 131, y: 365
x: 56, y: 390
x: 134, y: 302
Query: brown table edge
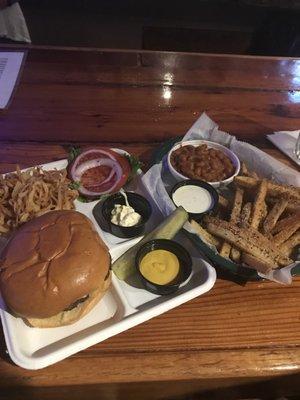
x: 138, y: 51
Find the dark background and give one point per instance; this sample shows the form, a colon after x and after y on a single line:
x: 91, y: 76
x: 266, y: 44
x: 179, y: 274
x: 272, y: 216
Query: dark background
x: 217, y: 26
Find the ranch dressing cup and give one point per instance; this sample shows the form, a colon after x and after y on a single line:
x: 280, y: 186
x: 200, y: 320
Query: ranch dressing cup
x: 197, y: 197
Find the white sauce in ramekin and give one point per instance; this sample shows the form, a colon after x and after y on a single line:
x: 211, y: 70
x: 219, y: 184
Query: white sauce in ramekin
x: 194, y: 199
x: 124, y: 215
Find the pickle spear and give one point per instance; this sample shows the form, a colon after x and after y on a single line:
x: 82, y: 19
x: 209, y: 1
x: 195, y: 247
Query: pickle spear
x: 124, y: 266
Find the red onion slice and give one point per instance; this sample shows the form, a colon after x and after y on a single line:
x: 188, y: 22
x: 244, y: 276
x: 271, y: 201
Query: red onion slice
x: 98, y: 162
x: 84, y: 154
x: 86, y: 165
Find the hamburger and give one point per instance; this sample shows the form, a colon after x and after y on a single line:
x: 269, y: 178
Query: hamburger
x: 54, y: 269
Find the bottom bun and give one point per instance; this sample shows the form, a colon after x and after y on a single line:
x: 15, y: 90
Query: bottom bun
x: 71, y: 316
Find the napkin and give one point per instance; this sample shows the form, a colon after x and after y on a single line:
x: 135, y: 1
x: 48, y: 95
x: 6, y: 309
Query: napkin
x: 158, y: 181
x: 286, y: 142
x: 13, y: 25
x: 10, y: 68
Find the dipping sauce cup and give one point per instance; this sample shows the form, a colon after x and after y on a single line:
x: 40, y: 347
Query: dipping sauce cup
x: 177, y: 252
x: 197, y: 197
x: 140, y: 205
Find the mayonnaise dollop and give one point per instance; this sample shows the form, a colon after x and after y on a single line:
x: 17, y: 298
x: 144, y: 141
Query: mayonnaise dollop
x: 124, y: 215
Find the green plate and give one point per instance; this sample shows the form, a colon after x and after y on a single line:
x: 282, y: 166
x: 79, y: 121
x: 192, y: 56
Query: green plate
x: 238, y: 272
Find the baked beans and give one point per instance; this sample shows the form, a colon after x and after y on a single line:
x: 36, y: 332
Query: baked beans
x: 202, y: 162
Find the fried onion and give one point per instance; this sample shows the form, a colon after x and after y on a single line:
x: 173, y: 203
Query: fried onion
x: 28, y: 194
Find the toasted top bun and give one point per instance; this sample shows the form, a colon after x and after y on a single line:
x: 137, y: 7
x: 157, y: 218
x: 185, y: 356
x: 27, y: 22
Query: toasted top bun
x: 51, y: 262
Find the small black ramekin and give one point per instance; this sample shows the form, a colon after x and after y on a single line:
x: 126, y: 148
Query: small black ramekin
x: 185, y: 265
x: 196, y: 182
x: 138, y: 203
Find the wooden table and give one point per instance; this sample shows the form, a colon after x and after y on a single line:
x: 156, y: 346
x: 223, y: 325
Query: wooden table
x: 235, y: 340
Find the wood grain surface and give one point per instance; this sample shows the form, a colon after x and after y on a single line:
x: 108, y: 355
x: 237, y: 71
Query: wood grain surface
x: 234, y: 337
x: 128, y: 96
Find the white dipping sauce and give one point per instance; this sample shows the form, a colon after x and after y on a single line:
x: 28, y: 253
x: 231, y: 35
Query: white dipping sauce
x: 194, y: 199
x: 124, y: 215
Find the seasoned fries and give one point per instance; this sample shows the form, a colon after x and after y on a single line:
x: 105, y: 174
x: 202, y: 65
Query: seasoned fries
x: 259, y: 205
x: 292, y: 207
x: 244, y: 169
x: 204, y: 234
x: 285, y: 222
x: 258, y: 264
x: 274, y: 189
x: 235, y: 254
x: 287, y: 232
x: 248, y: 240
x: 274, y: 215
x: 237, y: 205
x: 25, y: 195
x: 245, y: 215
x: 288, y: 246
x: 257, y: 227
x: 246, y: 172
x: 223, y: 202
x: 225, y: 250
x: 235, y: 213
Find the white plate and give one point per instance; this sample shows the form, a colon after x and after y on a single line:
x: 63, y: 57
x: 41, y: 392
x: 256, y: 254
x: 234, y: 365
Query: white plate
x: 122, y: 307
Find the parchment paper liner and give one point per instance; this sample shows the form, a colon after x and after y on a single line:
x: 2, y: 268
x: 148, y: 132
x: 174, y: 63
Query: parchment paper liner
x: 157, y: 179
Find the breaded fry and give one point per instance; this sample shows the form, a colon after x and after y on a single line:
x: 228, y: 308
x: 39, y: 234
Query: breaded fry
x: 235, y: 212
x: 274, y: 215
x: 259, y: 205
x: 288, y: 246
x: 293, y: 204
x: 253, y: 174
x: 245, y: 171
x: 206, y: 236
x: 285, y: 222
x: 286, y: 233
x: 223, y: 202
x: 248, y: 240
x: 274, y: 189
x: 257, y: 264
x: 237, y: 205
x: 235, y: 254
x: 245, y: 215
x: 225, y: 250
x: 264, y: 211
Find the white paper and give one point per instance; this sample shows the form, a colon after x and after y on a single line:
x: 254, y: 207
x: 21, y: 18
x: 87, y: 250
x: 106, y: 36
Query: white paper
x: 13, y: 25
x: 158, y: 180
x: 10, y: 64
x: 286, y: 142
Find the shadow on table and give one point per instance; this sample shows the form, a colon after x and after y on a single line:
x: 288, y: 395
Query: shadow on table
x: 202, y: 389
x: 277, y: 388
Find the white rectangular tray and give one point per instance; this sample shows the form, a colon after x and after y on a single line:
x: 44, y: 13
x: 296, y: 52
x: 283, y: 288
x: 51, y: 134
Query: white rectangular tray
x: 122, y: 307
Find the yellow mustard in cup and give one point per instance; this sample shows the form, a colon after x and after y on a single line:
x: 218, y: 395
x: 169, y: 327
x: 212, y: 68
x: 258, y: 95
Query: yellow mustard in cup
x: 159, y: 266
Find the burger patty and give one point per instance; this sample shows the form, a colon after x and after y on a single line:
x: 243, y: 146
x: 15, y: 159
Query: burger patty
x: 76, y: 303
x: 84, y: 298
